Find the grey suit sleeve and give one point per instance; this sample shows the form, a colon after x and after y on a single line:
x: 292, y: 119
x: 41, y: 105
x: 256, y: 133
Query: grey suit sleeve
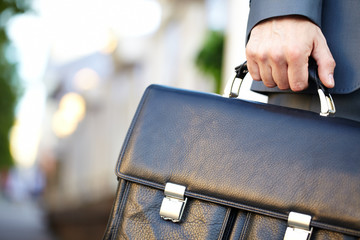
x: 264, y: 9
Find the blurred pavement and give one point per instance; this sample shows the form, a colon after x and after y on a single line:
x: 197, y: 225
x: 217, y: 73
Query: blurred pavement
x: 22, y: 220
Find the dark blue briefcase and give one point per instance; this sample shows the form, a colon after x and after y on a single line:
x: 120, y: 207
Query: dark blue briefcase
x: 202, y: 166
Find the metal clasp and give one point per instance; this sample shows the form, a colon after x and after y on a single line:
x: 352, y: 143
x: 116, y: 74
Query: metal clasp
x: 327, y: 104
x: 298, y: 227
x: 233, y: 85
x: 174, y: 202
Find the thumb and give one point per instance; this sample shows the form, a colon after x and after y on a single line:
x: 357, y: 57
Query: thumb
x: 325, y: 61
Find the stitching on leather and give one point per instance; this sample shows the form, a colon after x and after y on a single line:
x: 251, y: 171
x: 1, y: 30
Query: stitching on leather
x: 334, y: 228
x: 223, y: 227
x: 120, y: 210
x: 238, y: 205
x: 245, y: 227
x: 114, y: 211
x: 211, y: 199
x: 242, y: 206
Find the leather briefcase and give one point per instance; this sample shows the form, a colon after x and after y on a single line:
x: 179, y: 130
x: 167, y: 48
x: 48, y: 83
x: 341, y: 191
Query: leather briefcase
x: 202, y: 166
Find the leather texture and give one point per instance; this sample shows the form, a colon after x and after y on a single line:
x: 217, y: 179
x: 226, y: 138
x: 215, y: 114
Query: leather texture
x: 339, y: 22
x: 135, y: 216
x: 138, y: 217
x: 245, y: 165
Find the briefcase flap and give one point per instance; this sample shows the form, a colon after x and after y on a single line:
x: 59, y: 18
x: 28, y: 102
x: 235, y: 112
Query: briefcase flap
x: 257, y: 157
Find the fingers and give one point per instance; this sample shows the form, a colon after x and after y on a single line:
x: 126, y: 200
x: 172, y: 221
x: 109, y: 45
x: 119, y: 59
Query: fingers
x: 253, y: 69
x: 280, y: 73
x: 271, y: 68
x: 298, y: 72
x: 266, y: 75
x: 259, y: 68
x: 325, y: 61
x: 298, y: 76
x: 278, y: 52
x: 261, y: 73
x: 285, y: 75
x: 284, y: 67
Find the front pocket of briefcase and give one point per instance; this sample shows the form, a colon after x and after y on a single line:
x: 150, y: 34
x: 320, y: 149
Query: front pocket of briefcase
x: 139, y: 217
x: 248, y: 225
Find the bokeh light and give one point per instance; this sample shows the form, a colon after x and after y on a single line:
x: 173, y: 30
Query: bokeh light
x: 86, y: 79
x: 24, y: 147
x: 71, y: 111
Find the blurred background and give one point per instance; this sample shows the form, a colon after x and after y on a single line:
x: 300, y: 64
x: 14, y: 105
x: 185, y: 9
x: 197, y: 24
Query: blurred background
x: 71, y: 75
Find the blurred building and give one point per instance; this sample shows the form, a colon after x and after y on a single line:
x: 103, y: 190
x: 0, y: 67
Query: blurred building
x: 108, y: 87
x: 90, y: 105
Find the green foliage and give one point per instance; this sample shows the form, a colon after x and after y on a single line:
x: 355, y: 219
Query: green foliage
x: 210, y: 57
x: 9, y: 84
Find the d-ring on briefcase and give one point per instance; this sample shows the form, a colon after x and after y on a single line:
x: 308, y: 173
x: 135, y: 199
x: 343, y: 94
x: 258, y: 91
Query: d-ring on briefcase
x: 201, y: 166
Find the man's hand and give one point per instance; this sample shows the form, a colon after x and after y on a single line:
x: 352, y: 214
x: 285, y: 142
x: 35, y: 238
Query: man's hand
x: 278, y: 52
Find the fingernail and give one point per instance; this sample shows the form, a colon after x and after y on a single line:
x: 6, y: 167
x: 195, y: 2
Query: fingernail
x: 331, y: 79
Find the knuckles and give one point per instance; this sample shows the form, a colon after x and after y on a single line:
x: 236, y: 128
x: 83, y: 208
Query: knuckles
x: 264, y: 55
x: 250, y: 52
x: 277, y: 57
x: 281, y: 57
x: 298, y: 86
x: 331, y: 63
x: 283, y: 86
x: 293, y: 54
x: 270, y: 85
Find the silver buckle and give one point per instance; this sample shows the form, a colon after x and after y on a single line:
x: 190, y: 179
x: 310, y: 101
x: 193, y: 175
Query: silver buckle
x: 232, y: 88
x: 298, y: 227
x: 174, y: 202
x: 327, y: 104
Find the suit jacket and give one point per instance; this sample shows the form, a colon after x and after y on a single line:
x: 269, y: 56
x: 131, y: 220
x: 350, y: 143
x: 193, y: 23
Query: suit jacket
x: 340, y: 23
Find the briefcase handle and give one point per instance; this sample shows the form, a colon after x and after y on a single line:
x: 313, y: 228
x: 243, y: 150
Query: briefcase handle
x: 327, y: 105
